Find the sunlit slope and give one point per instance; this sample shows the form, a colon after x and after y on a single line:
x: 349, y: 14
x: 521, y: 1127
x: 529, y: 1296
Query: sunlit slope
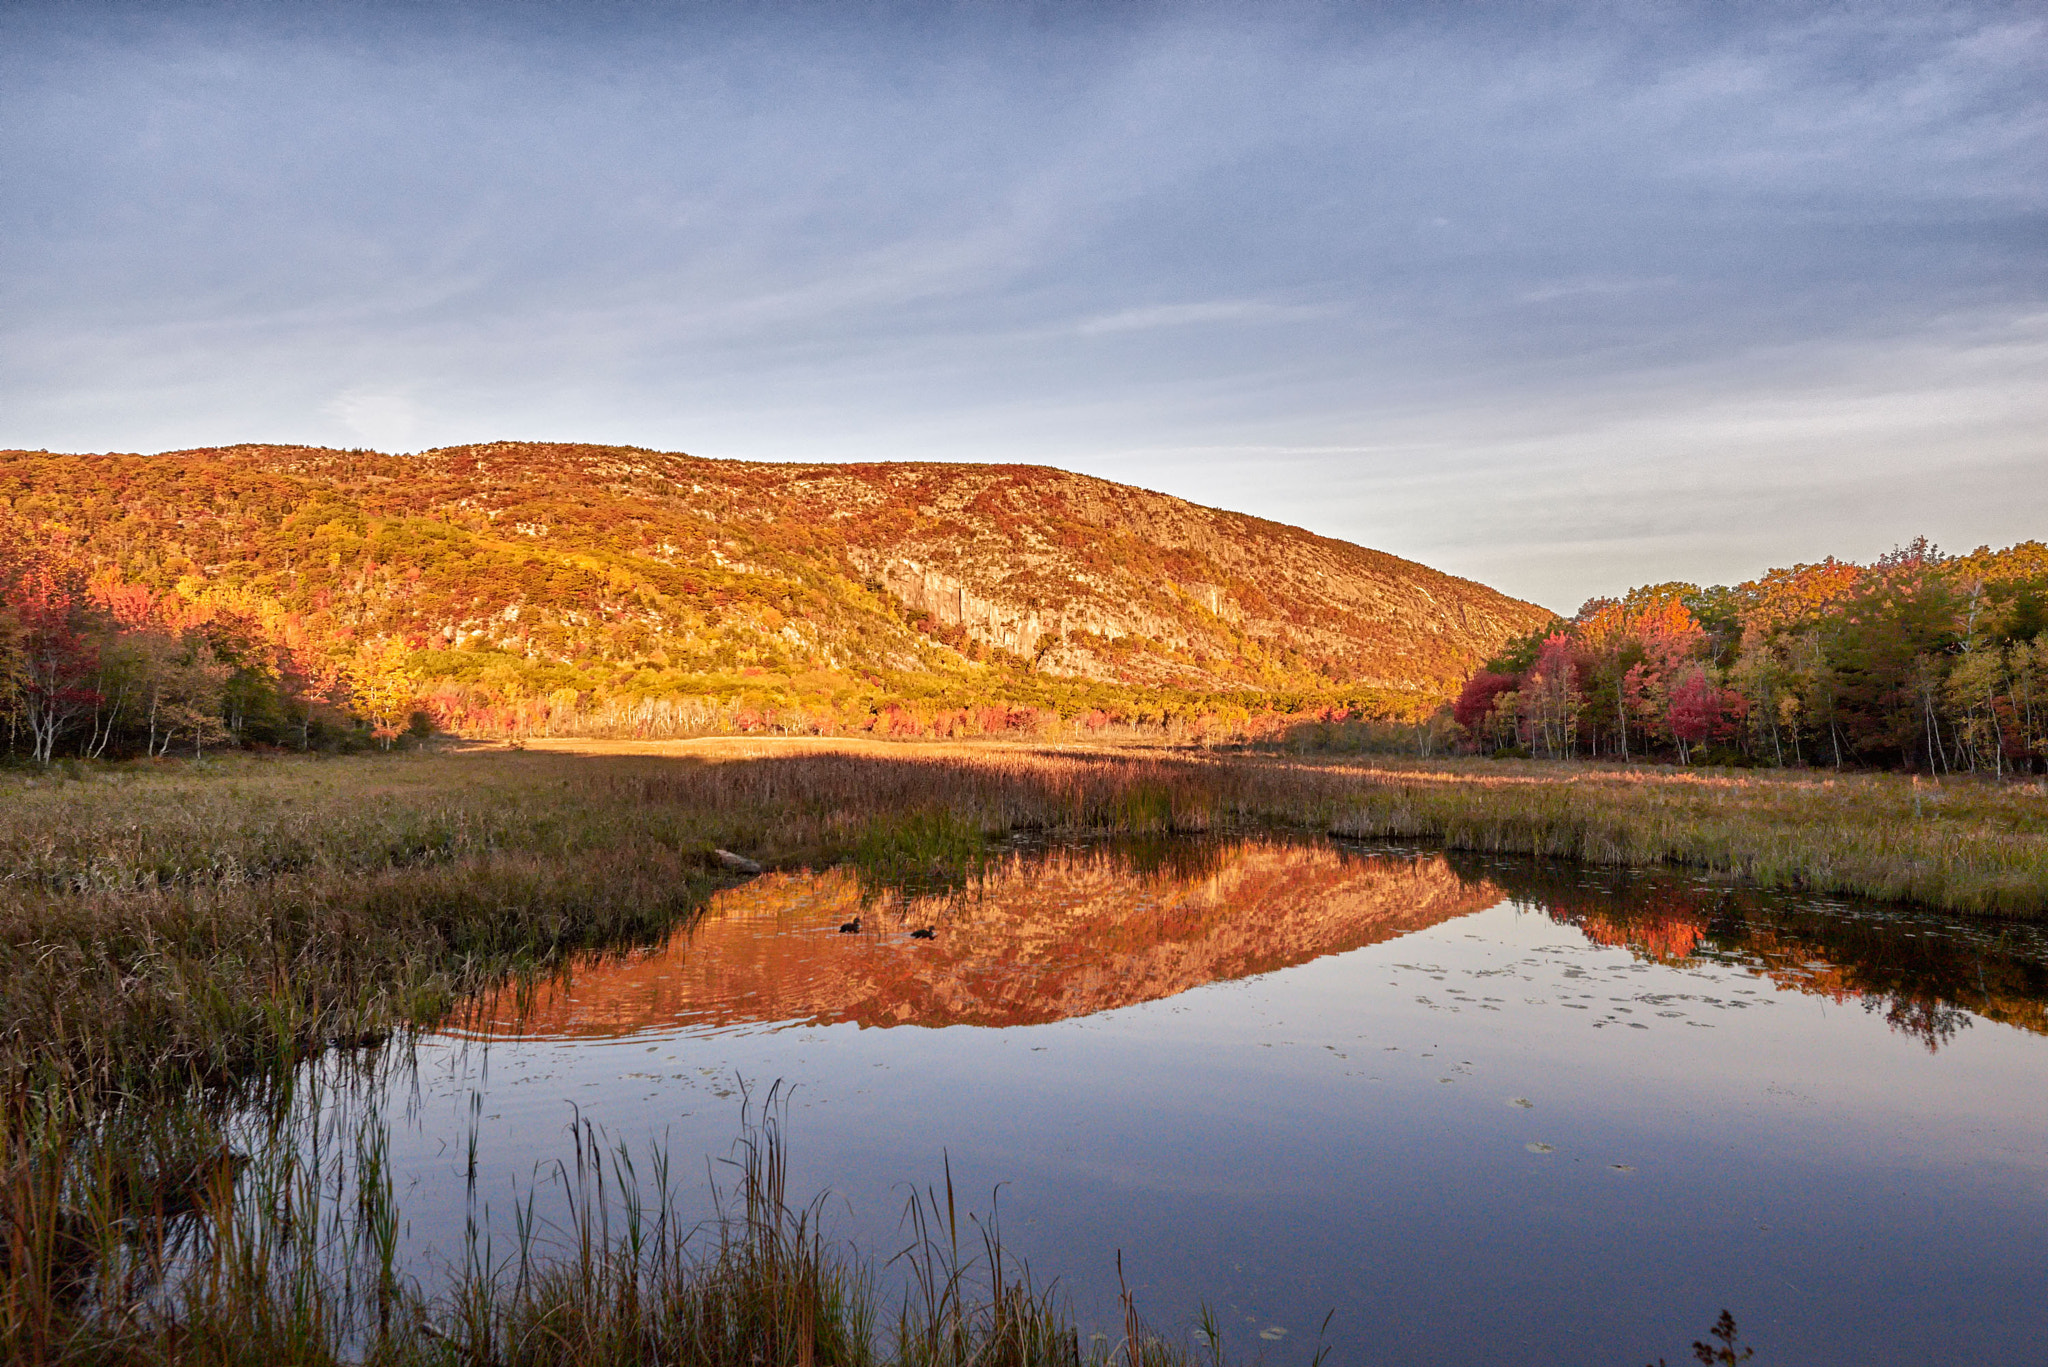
x: 665, y: 562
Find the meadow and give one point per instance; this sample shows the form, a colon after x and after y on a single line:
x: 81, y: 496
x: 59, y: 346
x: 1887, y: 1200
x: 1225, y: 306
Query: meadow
x: 176, y: 938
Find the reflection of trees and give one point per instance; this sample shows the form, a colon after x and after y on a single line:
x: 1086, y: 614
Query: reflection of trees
x: 1934, y: 1022
x: 1660, y: 932
x: 1925, y: 977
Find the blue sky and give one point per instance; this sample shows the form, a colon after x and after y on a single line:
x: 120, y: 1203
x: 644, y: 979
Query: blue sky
x: 1562, y: 298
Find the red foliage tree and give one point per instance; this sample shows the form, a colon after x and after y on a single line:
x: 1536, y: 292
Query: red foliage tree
x: 54, y: 654
x: 1475, y: 702
x: 1701, y: 711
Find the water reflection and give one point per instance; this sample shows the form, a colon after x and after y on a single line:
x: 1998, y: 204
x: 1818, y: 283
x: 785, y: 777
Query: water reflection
x: 1444, y: 1095
x: 1926, y: 975
x: 1063, y: 931
x: 1048, y: 934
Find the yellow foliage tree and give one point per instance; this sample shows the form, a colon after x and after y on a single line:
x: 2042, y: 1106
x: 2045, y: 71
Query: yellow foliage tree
x: 382, y: 689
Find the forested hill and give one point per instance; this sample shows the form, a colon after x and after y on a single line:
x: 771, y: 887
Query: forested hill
x: 518, y: 570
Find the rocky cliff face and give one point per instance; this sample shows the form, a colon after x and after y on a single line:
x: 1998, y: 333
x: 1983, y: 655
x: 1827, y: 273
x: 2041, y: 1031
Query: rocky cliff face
x: 1098, y: 578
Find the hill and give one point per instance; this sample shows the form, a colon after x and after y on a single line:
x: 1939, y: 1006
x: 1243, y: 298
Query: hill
x: 516, y: 572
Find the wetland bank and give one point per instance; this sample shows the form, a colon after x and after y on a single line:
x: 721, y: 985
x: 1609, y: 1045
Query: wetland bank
x: 1194, y: 1009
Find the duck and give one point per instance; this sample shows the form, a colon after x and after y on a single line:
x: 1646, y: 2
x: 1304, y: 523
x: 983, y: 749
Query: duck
x: 924, y: 934
x: 851, y: 927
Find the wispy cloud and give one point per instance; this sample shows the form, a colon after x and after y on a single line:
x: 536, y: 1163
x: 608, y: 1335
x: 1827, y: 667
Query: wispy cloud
x: 1188, y: 315
x: 1579, y: 289
x: 383, y: 418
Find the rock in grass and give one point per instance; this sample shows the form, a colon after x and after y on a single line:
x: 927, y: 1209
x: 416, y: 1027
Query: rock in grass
x: 737, y: 863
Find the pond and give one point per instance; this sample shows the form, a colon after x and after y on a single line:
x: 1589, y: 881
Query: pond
x: 1420, y: 1108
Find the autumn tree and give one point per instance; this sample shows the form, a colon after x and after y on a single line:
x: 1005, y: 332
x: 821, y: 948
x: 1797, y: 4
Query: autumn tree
x: 1700, y: 711
x: 1475, y: 701
x: 1921, y: 659
x: 54, y: 656
x: 383, y: 689
x: 1550, y: 697
x: 1634, y: 649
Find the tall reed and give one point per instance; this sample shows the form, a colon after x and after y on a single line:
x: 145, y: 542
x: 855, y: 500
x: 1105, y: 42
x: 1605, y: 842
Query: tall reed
x: 287, y: 1256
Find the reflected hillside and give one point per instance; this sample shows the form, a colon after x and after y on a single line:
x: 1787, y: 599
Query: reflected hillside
x: 1927, y: 976
x: 1046, y: 935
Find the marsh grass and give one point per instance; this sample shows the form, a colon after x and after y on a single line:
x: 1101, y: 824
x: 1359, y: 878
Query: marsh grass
x: 1971, y: 847
x: 289, y: 1257
x: 165, y: 989
x: 925, y: 850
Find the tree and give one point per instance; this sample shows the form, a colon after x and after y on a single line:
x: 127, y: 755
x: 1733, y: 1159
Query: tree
x: 55, y: 657
x: 1700, y: 711
x: 1475, y: 701
x: 1762, y: 681
x: 1890, y: 643
x: 1551, y: 697
x: 309, y: 684
x: 1634, y: 649
x: 382, y: 687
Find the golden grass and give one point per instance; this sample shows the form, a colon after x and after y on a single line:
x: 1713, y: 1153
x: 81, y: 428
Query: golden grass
x: 1968, y: 846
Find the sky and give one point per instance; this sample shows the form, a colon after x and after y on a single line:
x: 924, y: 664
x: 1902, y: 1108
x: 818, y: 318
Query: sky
x: 1562, y: 298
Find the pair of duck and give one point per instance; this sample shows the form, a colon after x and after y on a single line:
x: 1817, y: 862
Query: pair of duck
x: 853, y: 928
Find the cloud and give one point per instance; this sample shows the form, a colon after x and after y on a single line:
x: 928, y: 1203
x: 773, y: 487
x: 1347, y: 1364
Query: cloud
x: 384, y: 419
x: 1710, y: 474
x: 1579, y: 289
x: 1186, y: 315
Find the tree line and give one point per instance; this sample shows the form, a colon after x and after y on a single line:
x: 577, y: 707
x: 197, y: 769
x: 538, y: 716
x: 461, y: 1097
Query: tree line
x: 97, y: 667
x: 1920, y: 661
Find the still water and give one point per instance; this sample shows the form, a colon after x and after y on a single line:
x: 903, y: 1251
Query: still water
x: 1481, y: 1111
